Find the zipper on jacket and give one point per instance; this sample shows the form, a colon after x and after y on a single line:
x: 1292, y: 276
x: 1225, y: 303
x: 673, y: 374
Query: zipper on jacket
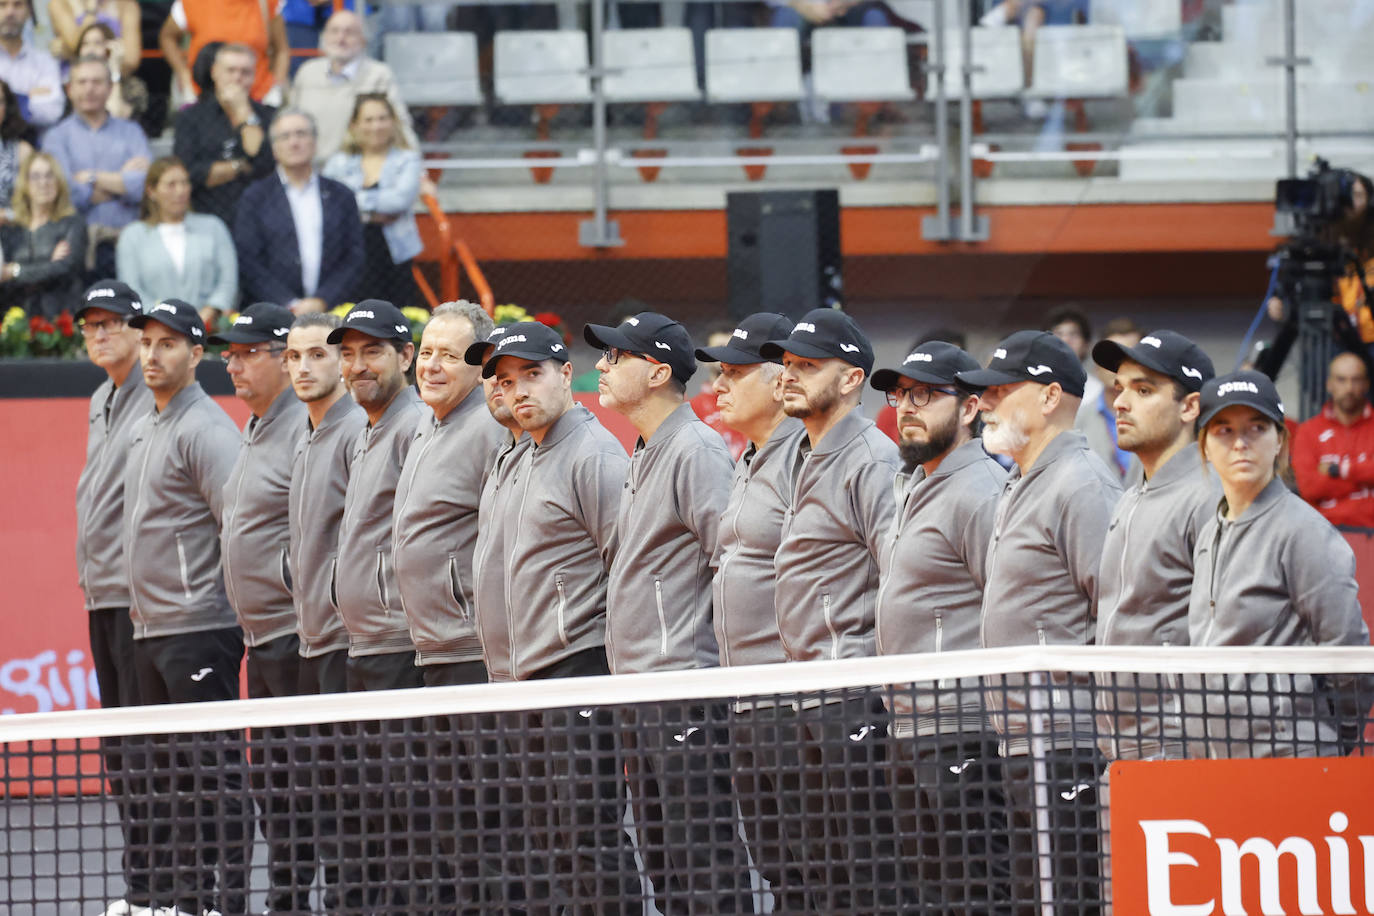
x: 334, y: 582
x: 181, y: 559
x: 505, y: 580
x: 563, y: 609
x: 284, y: 565
x: 724, y: 563
x: 662, y: 618
x: 1125, y: 552
x: 135, y: 610
x: 830, y: 625
x: 229, y: 585
x: 943, y: 682
x: 456, y: 587
x: 381, y: 580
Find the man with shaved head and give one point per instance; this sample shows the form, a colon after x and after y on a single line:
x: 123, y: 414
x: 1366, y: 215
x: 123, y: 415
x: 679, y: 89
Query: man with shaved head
x: 1333, y: 453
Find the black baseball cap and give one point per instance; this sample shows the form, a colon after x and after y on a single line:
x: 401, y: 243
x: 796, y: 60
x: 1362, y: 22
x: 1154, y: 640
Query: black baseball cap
x: 259, y: 322
x: 1166, y: 352
x: 523, y: 340
x: 375, y: 318
x: 649, y: 334
x: 1248, y: 388
x: 824, y: 334
x: 932, y: 363
x: 112, y: 296
x: 477, y: 351
x: 751, y: 334
x: 182, y: 317
x: 1030, y: 356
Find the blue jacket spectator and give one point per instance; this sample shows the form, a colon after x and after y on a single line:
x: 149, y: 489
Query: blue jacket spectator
x: 171, y: 253
x: 298, y: 234
x: 31, y: 72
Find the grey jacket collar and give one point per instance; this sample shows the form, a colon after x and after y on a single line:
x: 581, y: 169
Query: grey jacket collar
x: 681, y: 416
x: 969, y: 453
x: 180, y: 403
x: 253, y: 431
x: 1070, y: 440
x: 846, y: 430
x: 572, y: 418
x: 1268, y: 498
x: 1179, y: 468
x: 473, y: 401
x: 405, y: 399
x: 336, y: 412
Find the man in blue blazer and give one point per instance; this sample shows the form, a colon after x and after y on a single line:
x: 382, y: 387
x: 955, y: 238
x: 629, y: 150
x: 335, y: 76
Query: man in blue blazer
x: 298, y: 234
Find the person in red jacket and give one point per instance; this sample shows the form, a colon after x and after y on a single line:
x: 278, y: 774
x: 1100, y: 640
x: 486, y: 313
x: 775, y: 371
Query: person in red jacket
x: 1333, y: 453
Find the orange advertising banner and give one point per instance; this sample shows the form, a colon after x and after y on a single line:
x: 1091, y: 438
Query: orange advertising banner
x: 1243, y: 837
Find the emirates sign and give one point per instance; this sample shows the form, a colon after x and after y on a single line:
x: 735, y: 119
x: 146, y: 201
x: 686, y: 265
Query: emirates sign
x: 1243, y: 837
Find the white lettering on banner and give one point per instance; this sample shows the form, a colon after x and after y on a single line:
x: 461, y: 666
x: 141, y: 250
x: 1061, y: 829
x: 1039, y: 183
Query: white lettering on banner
x: 1267, y: 855
x: 806, y: 326
x: 43, y: 682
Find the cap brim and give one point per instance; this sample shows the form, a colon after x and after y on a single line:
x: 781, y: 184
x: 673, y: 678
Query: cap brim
x: 1110, y: 355
x: 336, y: 336
x: 731, y: 355
x: 476, y: 354
x: 886, y: 379
x: 126, y: 311
x: 986, y: 378
x: 232, y: 336
x: 603, y: 337
x: 489, y: 367
x: 1262, y: 406
x: 774, y: 349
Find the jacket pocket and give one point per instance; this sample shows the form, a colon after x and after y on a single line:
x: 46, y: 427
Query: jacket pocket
x: 455, y: 585
x: 181, y: 563
x: 284, y: 569
x: 662, y: 619
x: 561, y: 585
x: 381, y: 579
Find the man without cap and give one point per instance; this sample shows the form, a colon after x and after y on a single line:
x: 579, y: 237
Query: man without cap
x: 1333, y: 452
x: 558, y: 538
x: 254, y: 541
x: 827, y: 578
x: 117, y: 407
x: 658, y: 615
x: 187, y: 645
x: 1041, y: 588
x: 320, y: 468
x: 930, y: 599
x: 376, y: 349
x: 1147, y: 556
x: 767, y: 770
x: 435, y: 531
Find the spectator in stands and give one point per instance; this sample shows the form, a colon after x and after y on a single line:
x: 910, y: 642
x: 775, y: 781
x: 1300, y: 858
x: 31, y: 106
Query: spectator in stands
x: 379, y: 166
x: 15, y: 147
x: 930, y: 599
x: 328, y: 86
x: 704, y: 401
x: 429, y: 16
x: 72, y: 18
x: 1097, y: 421
x: 106, y: 157
x: 827, y: 574
x: 299, y: 238
x: 1072, y: 326
x: 222, y: 139
x: 238, y: 22
x: 171, y: 253
x: 44, y: 245
x: 31, y: 73
x: 1029, y: 16
x: 304, y: 21
x: 1041, y: 589
x: 1333, y: 452
x: 130, y: 96
x: 1268, y: 570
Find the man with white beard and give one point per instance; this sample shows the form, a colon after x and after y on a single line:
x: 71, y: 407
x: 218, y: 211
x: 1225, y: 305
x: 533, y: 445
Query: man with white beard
x: 1041, y: 588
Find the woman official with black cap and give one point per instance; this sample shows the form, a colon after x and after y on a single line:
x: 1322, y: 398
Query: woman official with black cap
x: 1269, y: 570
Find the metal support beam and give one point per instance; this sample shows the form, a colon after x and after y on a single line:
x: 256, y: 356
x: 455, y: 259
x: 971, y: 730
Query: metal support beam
x: 599, y: 232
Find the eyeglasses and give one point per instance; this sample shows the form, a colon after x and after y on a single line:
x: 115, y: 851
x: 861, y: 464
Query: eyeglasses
x: 298, y: 133
x: 109, y: 326
x: 918, y: 395
x: 612, y: 355
x: 249, y: 355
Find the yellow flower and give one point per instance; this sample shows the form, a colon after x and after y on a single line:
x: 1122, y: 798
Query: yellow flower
x: 416, y: 315
x: 509, y: 314
x: 341, y: 310
x: 15, y: 316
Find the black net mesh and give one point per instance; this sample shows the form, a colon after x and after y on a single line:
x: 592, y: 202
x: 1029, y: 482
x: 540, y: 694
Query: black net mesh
x: 963, y: 795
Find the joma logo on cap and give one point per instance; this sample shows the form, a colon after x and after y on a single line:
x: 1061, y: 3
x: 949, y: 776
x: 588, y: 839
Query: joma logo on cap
x: 999, y: 353
x: 164, y: 307
x: 849, y: 348
x: 741, y: 334
x: 1038, y: 370
x: 806, y: 326
x: 919, y: 358
x: 514, y: 338
x: 1191, y: 372
x: 1232, y: 387
x: 103, y: 293
x: 1152, y: 342
x: 354, y: 316
x: 633, y: 322
x: 243, y: 319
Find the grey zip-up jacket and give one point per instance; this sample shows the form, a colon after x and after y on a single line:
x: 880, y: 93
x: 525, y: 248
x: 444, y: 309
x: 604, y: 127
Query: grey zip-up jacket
x: 488, y: 559
x: 100, y: 567
x: 930, y: 592
x: 558, y: 530
x: 659, y: 594
x: 1041, y: 587
x: 256, y: 533
x: 364, y: 580
x: 435, y: 528
x: 179, y: 460
x: 827, y: 564
x: 750, y: 532
x: 1142, y: 600
x: 1280, y: 575
x: 319, y: 478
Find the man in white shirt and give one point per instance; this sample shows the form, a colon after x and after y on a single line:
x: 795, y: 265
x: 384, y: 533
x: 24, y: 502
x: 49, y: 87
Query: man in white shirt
x: 31, y: 73
x: 327, y: 86
x: 298, y: 235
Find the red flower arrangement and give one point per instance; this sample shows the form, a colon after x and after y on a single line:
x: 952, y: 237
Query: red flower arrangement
x: 555, y: 321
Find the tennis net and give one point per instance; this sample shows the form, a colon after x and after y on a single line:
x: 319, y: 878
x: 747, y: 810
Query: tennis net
x: 1009, y: 781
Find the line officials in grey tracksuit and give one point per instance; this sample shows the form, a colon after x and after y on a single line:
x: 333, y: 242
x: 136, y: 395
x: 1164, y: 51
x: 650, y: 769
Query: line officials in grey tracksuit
x: 827, y: 579
x: 930, y: 598
x: 1041, y: 588
x: 659, y: 615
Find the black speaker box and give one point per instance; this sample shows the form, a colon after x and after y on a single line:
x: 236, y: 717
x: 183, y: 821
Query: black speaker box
x: 784, y: 251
